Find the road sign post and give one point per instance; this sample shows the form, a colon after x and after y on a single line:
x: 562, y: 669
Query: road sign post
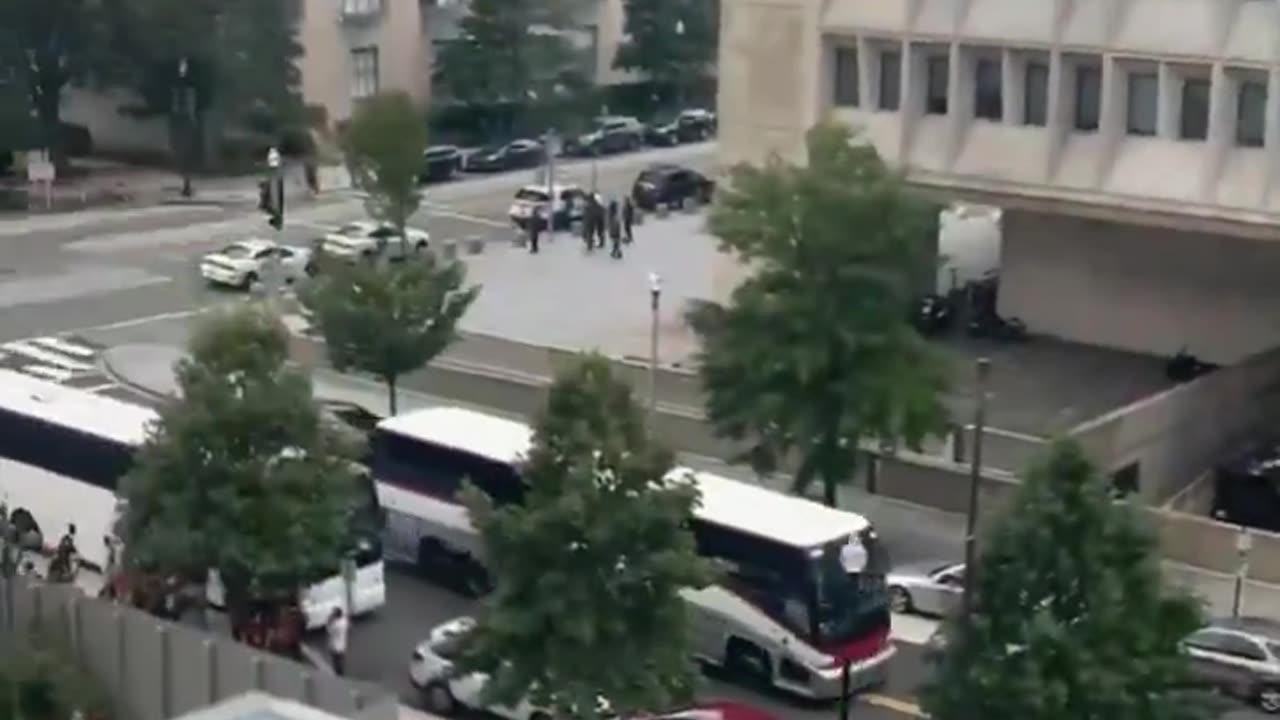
x: 1244, y: 543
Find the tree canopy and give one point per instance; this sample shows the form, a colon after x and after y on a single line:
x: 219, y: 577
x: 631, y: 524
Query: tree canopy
x: 241, y: 476
x: 672, y: 41
x: 389, y: 319
x: 814, y: 352
x: 383, y: 146
x: 590, y: 562
x: 1070, y: 618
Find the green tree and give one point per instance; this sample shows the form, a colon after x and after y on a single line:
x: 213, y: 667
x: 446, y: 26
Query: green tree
x: 383, y: 147
x: 673, y: 42
x: 241, y: 475
x: 389, y: 319
x: 814, y: 353
x: 241, y: 79
x: 45, y: 45
x: 593, y: 560
x: 1071, y: 619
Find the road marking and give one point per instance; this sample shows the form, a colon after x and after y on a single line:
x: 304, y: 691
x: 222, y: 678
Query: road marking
x: 64, y: 347
x: 34, y: 352
x: 100, y: 388
x: 904, y: 707
x: 57, y: 375
x: 444, y: 211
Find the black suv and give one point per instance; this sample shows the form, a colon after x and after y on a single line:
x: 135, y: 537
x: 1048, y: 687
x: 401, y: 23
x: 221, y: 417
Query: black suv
x: 670, y: 185
x: 440, y: 162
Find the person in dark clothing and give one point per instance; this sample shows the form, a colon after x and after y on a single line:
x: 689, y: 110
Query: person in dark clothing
x: 600, y: 222
x: 628, y: 218
x: 615, y: 230
x: 535, y: 230
x: 589, y: 223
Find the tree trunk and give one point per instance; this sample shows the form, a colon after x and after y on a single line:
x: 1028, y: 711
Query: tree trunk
x: 47, y: 101
x: 391, y: 393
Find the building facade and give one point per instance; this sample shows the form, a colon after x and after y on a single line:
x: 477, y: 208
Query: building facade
x: 1134, y: 144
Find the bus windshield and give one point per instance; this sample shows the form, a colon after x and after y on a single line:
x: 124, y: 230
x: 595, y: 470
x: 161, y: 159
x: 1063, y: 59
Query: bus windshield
x: 849, y: 607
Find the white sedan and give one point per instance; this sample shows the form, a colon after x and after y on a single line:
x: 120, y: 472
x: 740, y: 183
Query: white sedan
x: 366, y: 239
x: 245, y: 262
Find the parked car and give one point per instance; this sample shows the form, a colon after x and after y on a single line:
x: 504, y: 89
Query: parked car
x: 570, y: 201
x: 670, y: 185
x: 609, y: 134
x: 245, y: 262
x: 440, y: 162
x: 1239, y: 657
x: 697, y: 123
x: 515, y: 154
x: 366, y: 239
x: 930, y: 587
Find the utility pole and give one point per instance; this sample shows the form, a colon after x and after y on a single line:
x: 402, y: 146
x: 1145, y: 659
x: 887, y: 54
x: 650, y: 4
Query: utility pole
x: 975, y: 484
x: 655, y: 299
x: 274, y: 197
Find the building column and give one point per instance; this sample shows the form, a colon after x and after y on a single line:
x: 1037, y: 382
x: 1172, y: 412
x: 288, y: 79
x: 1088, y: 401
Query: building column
x: 1273, y: 134
x: 1057, y: 111
x: 910, y: 97
x: 868, y: 85
x: 1012, y: 89
x: 1111, y: 121
x: 1169, y: 103
x: 1222, y: 127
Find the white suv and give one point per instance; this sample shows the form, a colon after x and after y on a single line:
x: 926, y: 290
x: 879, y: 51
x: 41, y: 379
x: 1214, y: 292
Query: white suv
x: 566, y: 209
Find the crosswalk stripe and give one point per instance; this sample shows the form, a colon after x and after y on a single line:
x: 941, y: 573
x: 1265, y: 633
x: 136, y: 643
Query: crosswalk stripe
x: 65, y: 347
x: 39, y: 354
x: 49, y: 373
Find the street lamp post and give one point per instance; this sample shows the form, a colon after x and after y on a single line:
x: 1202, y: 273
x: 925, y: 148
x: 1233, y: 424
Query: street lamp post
x: 184, y: 101
x: 655, y: 299
x: 276, y: 179
x: 975, y: 482
x: 679, y: 88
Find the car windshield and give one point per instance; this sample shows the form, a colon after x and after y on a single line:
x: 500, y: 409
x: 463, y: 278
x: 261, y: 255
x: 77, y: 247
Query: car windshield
x: 489, y: 150
x: 653, y: 177
x: 439, y: 153
x: 531, y: 195
x: 352, y: 230
x: 451, y: 646
x: 236, y: 251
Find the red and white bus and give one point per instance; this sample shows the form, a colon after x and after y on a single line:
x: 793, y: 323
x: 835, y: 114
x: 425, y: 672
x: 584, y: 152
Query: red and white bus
x: 803, y: 593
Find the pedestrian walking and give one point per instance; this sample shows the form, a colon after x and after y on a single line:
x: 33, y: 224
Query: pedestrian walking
x: 588, y: 223
x: 600, y: 221
x: 337, y: 628
x: 628, y: 218
x: 615, y: 230
x: 535, y: 230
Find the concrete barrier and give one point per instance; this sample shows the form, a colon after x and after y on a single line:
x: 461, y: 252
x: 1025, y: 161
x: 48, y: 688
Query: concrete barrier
x: 154, y: 670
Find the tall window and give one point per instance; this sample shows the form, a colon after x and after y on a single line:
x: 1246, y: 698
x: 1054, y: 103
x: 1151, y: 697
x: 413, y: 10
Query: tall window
x: 1144, y: 96
x: 988, y: 102
x: 938, y: 70
x: 364, y: 72
x: 846, y: 77
x: 1088, y: 97
x: 1035, y: 94
x: 1193, y: 120
x: 890, y: 79
x: 1251, y: 113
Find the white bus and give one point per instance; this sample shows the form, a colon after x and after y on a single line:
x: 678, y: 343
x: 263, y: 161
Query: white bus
x: 63, y: 451
x: 803, y: 592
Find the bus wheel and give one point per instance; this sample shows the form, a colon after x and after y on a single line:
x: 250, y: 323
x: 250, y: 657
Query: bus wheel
x: 748, y: 662
x: 475, y: 580
x: 438, y: 699
x: 899, y: 600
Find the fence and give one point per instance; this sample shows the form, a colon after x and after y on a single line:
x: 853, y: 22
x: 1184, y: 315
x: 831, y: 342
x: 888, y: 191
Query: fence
x: 155, y: 670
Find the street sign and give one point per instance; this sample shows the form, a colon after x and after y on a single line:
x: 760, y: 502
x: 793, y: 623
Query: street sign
x: 39, y: 168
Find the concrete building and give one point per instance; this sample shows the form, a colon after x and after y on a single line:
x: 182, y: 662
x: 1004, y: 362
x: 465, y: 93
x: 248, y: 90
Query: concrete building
x: 1134, y: 144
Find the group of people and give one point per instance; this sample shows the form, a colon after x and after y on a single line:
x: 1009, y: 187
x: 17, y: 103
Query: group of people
x: 598, y: 218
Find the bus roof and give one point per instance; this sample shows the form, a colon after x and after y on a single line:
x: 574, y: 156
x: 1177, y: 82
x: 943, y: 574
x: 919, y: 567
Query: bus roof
x: 767, y: 513
x: 75, y: 409
x: 743, y: 506
x: 477, y: 433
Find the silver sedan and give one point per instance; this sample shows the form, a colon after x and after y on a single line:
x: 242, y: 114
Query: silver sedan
x: 933, y: 588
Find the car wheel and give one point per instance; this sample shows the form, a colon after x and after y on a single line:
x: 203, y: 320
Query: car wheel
x: 310, y: 269
x: 745, y: 661
x: 1269, y: 699
x: 420, y: 247
x: 438, y: 699
x: 899, y: 600
x: 250, y: 279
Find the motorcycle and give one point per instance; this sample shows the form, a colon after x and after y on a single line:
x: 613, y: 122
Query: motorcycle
x: 933, y: 315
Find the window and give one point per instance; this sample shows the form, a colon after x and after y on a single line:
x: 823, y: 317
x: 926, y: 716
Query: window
x: 1251, y: 113
x: 1193, y: 122
x: 1144, y: 95
x: 1243, y: 647
x: 364, y: 72
x: 361, y: 7
x: 846, y: 77
x: 938, y: 77
x: 1035, y: 96
x: 1088, y: 97
x: 890, y: 79
x: 988, y: 102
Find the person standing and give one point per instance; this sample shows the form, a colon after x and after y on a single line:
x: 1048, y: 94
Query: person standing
x: 600, y: 221
x: 615, y: 230
x: 628, y: 218
x: 336, y: 629
x: 535, y: 230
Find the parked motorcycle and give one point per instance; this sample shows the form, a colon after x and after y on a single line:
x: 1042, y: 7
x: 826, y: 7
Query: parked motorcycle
x: 1185, y: 367
x: 933, y: 315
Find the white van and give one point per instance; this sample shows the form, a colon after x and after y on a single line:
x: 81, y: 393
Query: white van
x: 566, y: 207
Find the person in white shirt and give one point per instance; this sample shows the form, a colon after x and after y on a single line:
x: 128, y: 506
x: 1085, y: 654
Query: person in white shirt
x: 337, y: 628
